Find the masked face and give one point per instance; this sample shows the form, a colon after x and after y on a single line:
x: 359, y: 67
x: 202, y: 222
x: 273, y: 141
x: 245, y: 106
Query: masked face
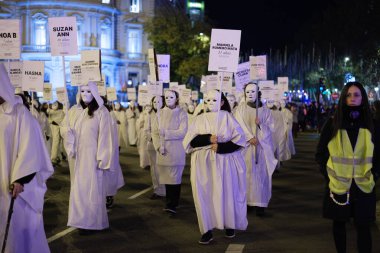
x: 270, y: 104
x: 191, y: 108
x: 250, y: 93
x: 86, y: 94
x: 35, y: 103
x: 117, y: 106
x: 148, y: 108
x: 282, y: 104
x: 54, y: 106
x: 212, y: 100
x: 231, y: 100
x: 157, y: 102
x: 170, y: 99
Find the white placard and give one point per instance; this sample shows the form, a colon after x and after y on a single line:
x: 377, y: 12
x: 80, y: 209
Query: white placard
x: 76, y: 73
x: 163, y: 64
x: 61, y: 94
x: 111, y: 94
x: 156, y: 88
x: 152, y: 64
x: 15, y: 73
x: 224, y: 50
x: 194, y: 95
x: 101, y: 88
x: 10, y: 39
x: 90, y: 60
x: 212, y: 82
x: 131, y: 94
x: 283, y: 85
x: 63, y: 36
x: 267, y: 90
x: 144, y: 96
x: 258, y: 67
x: 33, y: 76
x: 227, y: 81
x: 172, y: 84
x: 242, y: 75
x: 185, y: 96
x: 48, y: 93
x: 182, y: 87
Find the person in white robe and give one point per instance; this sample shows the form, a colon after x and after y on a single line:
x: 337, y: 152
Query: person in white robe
x: 24, y: 165
x: 132, y: 114
x: 217, y: 169
x: 260, y: 168
x: 168, y: 133
x: 122, y: 127
x: 42, y: 119
x: 56, y: 116
x: 232, y: 102
x: 158, y: 189
x: 142, y: 145
x: 190, y: 113
x: 288, y: 117
x: 89, y: 143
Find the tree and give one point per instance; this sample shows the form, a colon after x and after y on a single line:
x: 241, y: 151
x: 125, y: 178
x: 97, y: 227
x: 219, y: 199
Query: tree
x: 172, y: 32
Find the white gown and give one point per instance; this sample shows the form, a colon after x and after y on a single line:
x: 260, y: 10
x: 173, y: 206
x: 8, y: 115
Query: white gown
x: 279, y: 135
x: 56, y: 116
x: 259, y: 176
x: 45, y: 127
x: 288, y: 117
x: 142, y: 147
x: 218, y: 180
x: 171, y: 165
x: 23, y: 152
x: 93, y: 157
x: 132, y: 116
x: 121, y: 128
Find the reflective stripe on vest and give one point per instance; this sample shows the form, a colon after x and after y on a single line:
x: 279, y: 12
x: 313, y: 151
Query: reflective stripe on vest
x: 345, y: 164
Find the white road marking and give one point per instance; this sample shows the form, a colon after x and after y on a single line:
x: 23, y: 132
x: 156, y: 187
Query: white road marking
x: 235, y: 248
x: 71, y: 229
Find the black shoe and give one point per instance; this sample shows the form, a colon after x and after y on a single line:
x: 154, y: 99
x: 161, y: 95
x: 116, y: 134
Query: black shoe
x: 155, y: 196
x: 86, y: 231
x: 171, y: 210
x: 147, y: 167
x: 206, y: 238
x: 230, y: 233
x: 63, y: 157
x: 109, y: 201
x: 260, y: 211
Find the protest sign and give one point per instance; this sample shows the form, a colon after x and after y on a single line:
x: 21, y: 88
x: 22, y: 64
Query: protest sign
x: 63, y: 36
x: 258, y: 67
x: 33, y: 76
x: 14, y: 70
x: 10, y: 39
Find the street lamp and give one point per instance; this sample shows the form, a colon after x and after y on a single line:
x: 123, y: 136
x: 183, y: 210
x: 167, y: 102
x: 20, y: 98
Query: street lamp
x: 346, y: 59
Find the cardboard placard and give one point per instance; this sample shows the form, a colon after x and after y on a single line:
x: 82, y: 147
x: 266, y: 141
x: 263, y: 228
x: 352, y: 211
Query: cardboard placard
x: 131, y: 93
x: 111, y: 94
x: 90, y: 66
x: 224, y: 50
x: 144, y: 96
x: 33, y: 76
x: 76, y: 73
x: 48, y: 92
x: 163, y: 64
x: 15, y: 73
x: 63, y: 36
x: 258, y: 67
x: 10, y: 39
x: 242, y: 75
x: 61, y: 94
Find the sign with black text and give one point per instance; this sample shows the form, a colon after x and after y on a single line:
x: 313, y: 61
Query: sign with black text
x: 258, y: 67
x: 63, y: 36
x: 48, y: 94
x: 33, y: 76
x: 15, y: 73
x: 163, y: 64
x: 76, y: 73
x: 90, y: 66
x: 242, y: 75
x: 10, y: 39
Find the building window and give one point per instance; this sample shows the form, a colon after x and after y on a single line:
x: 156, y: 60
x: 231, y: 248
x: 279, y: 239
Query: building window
x: 134, y: 42
x: 105, y: 34
x: 40, y: 32
x: 135, y: 6
x: 106, y: 1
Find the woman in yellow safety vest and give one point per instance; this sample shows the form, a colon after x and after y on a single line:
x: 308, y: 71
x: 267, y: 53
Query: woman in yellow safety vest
x: 346, y: 156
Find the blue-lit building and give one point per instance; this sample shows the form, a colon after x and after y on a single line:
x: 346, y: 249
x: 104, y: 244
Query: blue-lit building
x: 114, y: 26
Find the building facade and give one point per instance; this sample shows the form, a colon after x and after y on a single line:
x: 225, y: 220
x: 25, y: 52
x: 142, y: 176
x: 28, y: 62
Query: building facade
x: 116, y: 27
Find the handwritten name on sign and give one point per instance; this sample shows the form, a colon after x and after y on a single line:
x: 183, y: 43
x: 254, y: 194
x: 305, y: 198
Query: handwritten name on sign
x: 10, y: 39
x: 63, y: 36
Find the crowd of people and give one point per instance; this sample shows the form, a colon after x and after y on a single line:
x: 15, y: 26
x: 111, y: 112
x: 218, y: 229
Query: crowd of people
x: 235, y: 144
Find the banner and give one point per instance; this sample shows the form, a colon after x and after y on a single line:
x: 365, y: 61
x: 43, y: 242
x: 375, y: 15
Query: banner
x: 152, y: 64
x: 144, y: 96
x: 224, y: 50
x: 163, y: 64
x: 61, y: 94
x: 90, y: 66
x: 131, y: 93
x: 242, y: 75
x: 63, y: 36
x: 76, y: 73
x: 10, y: 39
x: 48, y: 93
x: 33, y: 76
x: 111, y: 94
x: 15, y: 73
x: 258, y: 67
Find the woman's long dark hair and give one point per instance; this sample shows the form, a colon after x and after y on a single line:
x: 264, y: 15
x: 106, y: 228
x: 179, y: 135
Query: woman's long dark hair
x: 226, y: 106
x: 338, y: 116
x: 92, y: 106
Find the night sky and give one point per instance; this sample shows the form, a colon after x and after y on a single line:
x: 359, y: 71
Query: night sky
x: 265, y: 24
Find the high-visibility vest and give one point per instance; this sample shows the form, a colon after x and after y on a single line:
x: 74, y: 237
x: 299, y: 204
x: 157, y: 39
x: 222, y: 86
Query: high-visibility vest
x: 345, y: 164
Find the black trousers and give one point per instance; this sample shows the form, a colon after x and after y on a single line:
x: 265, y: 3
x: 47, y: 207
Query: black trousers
x: 173, y: 192
x: 364, y: 239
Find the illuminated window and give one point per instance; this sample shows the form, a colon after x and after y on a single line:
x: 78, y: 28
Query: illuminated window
x: 105, y: 34
x: 40, y: 33
x: 135, y: 6
x: 106, y: 1
x: 134, y: 41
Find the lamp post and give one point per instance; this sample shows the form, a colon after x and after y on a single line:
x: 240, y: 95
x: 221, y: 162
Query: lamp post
x: 346, y: 59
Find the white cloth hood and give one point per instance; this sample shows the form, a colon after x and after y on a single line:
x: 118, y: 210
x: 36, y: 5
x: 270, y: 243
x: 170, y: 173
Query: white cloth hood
x: 95, y: 93
x: 7, y: 91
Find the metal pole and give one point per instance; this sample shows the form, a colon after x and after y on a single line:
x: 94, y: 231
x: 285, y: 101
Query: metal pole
x: 8, y: 224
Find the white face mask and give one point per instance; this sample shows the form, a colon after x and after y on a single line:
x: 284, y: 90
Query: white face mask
x: 157, y: 102
x: 54, y: 106
x: 270, y: 104
x: 231, y: 100
x: 117, y: 106
x: 86, y: 94
x: 191, y: 108
x: 250, y: 93
x: 282, y: 103
x: 148, y: 108
x: 35, y: 103
x: 213, y: 100
x: 170, y: 98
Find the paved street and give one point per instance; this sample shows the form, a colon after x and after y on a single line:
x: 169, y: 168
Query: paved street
x: 137, y: 224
